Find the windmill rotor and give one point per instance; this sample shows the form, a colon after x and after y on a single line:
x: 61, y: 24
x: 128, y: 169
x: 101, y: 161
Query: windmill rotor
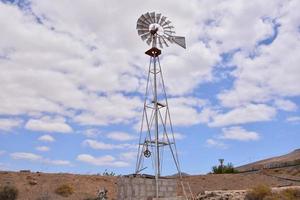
x: 156, y: 29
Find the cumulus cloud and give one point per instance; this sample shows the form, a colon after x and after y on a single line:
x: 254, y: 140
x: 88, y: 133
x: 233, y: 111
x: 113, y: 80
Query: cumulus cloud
x: 6, y: 124
x: 91, y: 133
x: 107, y: 160
x: 42, y: 148
x: 121, y: 136
x: 105, y: 146
x: 48, y: 124
x: 245, y: 114
x: 187, y: 111
x: 46, y: 138
x: 286, y: 105
x: 293, y: 119
x: 266, y: 75
x: 84, y: 71
x: 216, y: 143
x: 37, y: 158
x: 25, y: 156
x: 128, y: 156
x: 238, y: 133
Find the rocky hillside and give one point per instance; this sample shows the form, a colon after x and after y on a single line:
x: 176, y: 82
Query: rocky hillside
x: 291, y: 158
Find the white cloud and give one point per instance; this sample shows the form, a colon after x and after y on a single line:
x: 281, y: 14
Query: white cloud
x: 2, y: 152
x: 26, y: 156
x: 42, y: 148
x: 115, y: 108
x: 91, y: 133
x: 121, y: 136
x: 268, y: 75
x: 294, y: 119
x: 37, y: 158
x: 47, y: 124
x: 286, y: 105
x: 242, y: 115
x: 177, y: 136
x: 105, y: 146
x: 4, y: 167
x: 128, y: 156
x: 187, y: 111
x: 215, y: 143
x: 6, y: 124
x: 102, y: 161
x: 46, y: 138
x: 238, y: 133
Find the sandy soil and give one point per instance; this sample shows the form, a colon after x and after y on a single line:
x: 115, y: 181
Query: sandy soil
x: 272, y: 178
x: 37, y: 186
x: 84, y: 185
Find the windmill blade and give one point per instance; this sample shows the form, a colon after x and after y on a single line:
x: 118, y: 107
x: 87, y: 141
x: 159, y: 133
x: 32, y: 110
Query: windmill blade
x: 169, y: 32
x: 169, y: 27
x: 169, y: 38
x: 158, y: 15
x: 142, y: 23
x: 139, y: 26
x: 164, y: 41
x: 153, y: 18
x: 148, y: 17
x: 163, y: 19
x: 160, y: 43
x: 142, y: 31
x: 166, y: 23
x: 149, y: 40
x: 180, y: 41
x: 145, y: 36
x: 145, y: 19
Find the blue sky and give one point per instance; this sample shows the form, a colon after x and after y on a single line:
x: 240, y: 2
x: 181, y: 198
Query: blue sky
x: 73, y: 78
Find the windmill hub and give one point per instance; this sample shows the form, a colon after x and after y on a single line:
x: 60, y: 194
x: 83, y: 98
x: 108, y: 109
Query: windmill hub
x: 156, y: 29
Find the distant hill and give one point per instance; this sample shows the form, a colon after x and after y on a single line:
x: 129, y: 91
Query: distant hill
x: 289, y: 159
x: 182, y: 174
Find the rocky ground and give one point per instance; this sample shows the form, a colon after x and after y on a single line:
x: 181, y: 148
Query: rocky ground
x: 37, y: 186
x: 289, y: 176
x: 233, y: 194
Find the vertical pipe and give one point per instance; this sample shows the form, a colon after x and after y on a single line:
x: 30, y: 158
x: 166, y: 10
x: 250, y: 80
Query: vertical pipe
x: 157, y: 174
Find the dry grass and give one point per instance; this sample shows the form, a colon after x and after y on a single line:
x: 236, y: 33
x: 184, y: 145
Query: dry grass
x: 8, y: 193
x: 259, y: 192
x: 263, y: 192
x: 64, y: 190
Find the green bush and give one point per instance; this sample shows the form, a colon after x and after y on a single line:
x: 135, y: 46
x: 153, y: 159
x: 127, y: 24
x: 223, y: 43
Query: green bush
x: 258, y: 193
x: 8, y: 193
x: 106, y: 173
x: 64, y: 190
x: 225, y: 169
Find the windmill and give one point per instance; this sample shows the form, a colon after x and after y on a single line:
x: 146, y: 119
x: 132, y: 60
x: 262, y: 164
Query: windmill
x: 156, y: 130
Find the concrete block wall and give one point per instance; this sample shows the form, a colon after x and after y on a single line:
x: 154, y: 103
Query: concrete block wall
x: 144, y: 188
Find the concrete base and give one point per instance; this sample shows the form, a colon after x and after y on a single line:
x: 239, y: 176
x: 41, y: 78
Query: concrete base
x: 144, y: 188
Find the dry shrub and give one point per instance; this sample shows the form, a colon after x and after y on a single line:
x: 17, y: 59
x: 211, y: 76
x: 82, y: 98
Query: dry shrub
x: 263, y: 192
x: 258, y: 193
x: 8, y: 193
x: 64, y: 190
x: 289, y: 194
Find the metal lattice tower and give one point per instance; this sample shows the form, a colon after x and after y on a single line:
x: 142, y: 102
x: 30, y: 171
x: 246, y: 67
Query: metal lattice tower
x: 156, y: 132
